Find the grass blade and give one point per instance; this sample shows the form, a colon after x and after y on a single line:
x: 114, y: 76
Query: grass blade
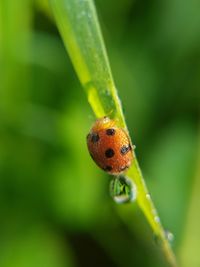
x: 82, y: 37
x: 80, y: 30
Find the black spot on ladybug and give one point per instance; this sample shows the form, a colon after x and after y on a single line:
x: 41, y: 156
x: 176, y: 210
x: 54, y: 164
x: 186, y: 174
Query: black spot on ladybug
x: 110, y: 131
x: 125, y: 149
x: 95, y: 138
x: 108, y: 168
x: 109, y: 153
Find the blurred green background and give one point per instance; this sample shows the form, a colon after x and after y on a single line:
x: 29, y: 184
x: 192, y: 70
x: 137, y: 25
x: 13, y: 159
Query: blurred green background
x: 55, y: 208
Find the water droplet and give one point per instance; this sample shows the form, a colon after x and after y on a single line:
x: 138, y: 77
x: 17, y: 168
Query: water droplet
x: 157, y: 219
x: 169, y: 235
x: 122, y: 189
x: 148, y: 196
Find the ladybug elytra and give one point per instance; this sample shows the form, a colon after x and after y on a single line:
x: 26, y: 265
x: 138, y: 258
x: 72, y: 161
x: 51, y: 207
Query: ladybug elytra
x: 110, y: 146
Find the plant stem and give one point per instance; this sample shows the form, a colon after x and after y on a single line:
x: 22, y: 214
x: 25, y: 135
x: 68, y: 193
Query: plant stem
x: 79, y: 27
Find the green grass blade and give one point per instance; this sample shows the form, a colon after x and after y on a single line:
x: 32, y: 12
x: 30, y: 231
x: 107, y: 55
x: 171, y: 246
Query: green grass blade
x: 79, y: 28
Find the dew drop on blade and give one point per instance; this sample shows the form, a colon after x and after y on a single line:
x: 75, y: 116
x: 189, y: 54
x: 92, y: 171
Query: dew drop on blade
x: 156, y: 218
x: 169, y: 236
x: 122, y: 190
x: 148, y: 196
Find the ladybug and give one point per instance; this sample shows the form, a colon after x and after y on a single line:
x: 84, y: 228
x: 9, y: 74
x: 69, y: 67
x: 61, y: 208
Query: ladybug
x: 110, y: 146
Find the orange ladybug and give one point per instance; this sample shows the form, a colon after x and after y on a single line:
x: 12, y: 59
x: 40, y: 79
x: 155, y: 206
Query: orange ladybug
x: 110, y: 146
